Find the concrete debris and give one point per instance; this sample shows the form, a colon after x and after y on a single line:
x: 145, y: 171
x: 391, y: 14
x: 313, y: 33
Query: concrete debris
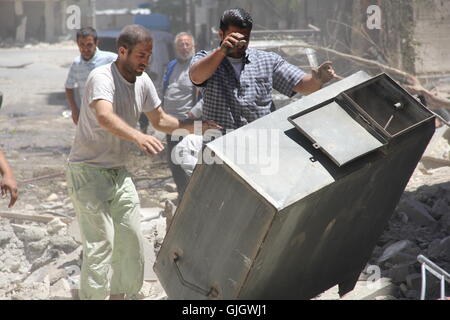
x: 394, y: 249
x: 61, y: 290
x: 30, y: 233
x: 73, y: 230
x: 64, y: 243
x: 5, y: 237
x: 169, y: 212
x: 34, y: 250
x: 414, y: 281
x: 172, y: 196
x: 417, y: 212
x: 369, y: 290
x: 440, y: 208
x: 55, y: 225
x: 170, y: 187
x: 52, y: 197
x: 48, y: 256
x: 399, y: 272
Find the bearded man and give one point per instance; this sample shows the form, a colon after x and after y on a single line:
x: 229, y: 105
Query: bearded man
x: 103, y: 194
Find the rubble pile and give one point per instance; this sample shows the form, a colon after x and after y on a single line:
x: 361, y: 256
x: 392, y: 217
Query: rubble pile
x: 41, y: 258
x: 36, y: 260
x: 419, y: 225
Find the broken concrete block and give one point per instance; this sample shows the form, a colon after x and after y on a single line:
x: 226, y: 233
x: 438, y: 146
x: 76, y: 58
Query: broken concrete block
x: 39, y: 274
x: 55, y: 225
x: 369, y: 290
x: 394, y: 249
x: 170, y: 187
x: 52, y: 197
x: 172, y: 196
x: 412, y: 294
x: 434, y: 248
x: 5, y: 237
x: 64, y: 243
x: 399, y: 272
x: 35, y: 249
x: 60, y: 290
x: 403, y: 288
x: 74, y: 231
x: 445, y: 248
x: 440, y: 208
x: 13, y: 264
x: 3, y: 283
x: 417, y: 212
x: 48, y: 256
x: 30, y: 234
x: 414, y: 281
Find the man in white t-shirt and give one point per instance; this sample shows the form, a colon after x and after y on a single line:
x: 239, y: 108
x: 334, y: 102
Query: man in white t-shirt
x: 103, y: 194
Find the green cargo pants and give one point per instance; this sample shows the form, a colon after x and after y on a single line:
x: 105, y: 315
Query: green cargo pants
x: 107, y: 208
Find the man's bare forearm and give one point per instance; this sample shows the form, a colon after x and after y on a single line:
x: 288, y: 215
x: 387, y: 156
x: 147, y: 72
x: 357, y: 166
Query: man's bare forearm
x: 163, y: 122
x: 5, y: 169
x: 203, y: 69
x: 308, y: 85
x: 70, y: 96
x: 118, y: 127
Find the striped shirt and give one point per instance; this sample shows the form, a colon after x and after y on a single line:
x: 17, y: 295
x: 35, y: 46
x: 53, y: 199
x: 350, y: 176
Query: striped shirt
x: 233, y: 102
x: 80, y: 69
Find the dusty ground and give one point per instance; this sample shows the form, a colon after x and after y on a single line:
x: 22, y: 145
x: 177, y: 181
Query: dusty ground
x: 39, y: 259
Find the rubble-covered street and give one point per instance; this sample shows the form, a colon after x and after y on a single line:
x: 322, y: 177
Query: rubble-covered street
x: 40, y: 249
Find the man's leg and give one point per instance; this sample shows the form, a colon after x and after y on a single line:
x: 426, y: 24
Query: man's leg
x: 128, y: 254
x: 91, y: 191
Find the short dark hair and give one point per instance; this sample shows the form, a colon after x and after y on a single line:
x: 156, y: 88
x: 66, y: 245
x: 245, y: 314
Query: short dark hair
x: 131, y: 35
x: 87, y: 32
x: 236, y: 17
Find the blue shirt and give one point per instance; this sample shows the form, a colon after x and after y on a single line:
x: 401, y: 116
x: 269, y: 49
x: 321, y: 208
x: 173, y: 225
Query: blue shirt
x: 233, y: 102
x: 80, y: 69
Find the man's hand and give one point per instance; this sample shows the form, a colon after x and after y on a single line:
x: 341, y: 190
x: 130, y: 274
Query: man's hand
x: 149, y: 144
x: 75, y: 116
x: 9, y: 184
x: 324, y: 72
x: 209, y: 124
x: 233, y: 40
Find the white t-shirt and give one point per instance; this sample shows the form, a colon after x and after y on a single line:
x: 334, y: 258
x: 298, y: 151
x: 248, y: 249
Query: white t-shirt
x: 237, y: 65
x: 94, y: 145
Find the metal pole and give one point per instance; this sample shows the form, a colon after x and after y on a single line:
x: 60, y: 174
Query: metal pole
x: 424, y: 282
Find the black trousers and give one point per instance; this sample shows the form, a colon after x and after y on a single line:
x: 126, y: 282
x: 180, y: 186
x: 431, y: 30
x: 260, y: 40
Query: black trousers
x: 179, y: 176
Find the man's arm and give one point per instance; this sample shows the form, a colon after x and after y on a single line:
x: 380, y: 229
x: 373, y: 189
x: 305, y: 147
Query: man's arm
x: 203, y: 69
x: 116, y: 126
x: 161, y: 121
x: 8, y: 182
x: 314, y: 81
x: 70, y: 96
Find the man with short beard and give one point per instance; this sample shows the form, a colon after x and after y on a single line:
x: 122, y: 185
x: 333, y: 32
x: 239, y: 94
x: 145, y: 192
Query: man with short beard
x: 90, y: 58
x: 180, y: 99
x: 101, y: 189
x: 237, y: 81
